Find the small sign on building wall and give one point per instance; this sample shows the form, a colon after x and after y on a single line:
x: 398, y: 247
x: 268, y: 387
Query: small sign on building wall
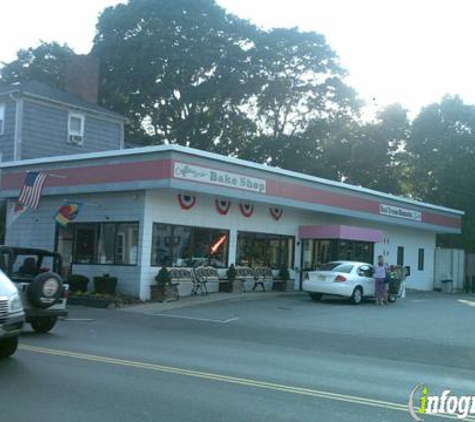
x: 218, y: 177
x: 398, y: 212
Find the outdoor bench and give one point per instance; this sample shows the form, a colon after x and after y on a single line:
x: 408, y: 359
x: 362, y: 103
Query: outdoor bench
x: 263, y: 277
x: 203, y: 277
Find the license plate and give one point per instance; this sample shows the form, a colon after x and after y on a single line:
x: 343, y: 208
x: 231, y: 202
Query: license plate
x: 321, y: 278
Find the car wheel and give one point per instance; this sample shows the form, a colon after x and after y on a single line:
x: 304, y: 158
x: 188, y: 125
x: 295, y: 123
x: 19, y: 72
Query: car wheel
x: 43, y: 325
x: 45, y: 289
x: 316, y: 296
x: 8, y: 346
x: 357, y: 296
x: 391, y: 299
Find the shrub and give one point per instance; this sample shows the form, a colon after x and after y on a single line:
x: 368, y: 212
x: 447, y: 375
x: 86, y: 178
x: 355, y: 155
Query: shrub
x: 78, y: 283
x: 231, y: 273
x: 163, y: 278
x: 284, y: 273
x: 105, y: 284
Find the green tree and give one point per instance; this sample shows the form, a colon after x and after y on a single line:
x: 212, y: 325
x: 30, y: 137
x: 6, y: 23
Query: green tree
x: 299, y: 79
x: 441, y: 150
x: 45, y: 63
x: 178, y: 70
x: 299, y: 90
x: 377, y: 158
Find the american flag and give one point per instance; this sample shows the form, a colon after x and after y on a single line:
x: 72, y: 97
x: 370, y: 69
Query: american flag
x: 32, y: 187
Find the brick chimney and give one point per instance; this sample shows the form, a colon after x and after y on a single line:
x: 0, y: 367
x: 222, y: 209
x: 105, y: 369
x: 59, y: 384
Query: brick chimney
x: 82, y: 77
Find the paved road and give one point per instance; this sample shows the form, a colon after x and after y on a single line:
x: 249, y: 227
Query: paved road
x: 280, y: 358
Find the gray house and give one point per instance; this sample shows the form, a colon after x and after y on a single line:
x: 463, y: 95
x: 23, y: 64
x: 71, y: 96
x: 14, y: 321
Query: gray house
x: 40, y: 121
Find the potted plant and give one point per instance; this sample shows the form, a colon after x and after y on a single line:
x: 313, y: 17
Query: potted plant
x: 231, y: 274
x: 105, y: 284
x: 227, y: 285
x: 158, y: 292
x: 78, y: 283
x: 282, y: 278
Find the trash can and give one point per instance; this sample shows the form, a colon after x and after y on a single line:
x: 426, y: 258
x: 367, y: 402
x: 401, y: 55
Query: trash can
x: 447, y: 285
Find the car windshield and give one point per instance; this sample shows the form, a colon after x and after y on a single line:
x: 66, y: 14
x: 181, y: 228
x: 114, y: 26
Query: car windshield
x: 339, y: 267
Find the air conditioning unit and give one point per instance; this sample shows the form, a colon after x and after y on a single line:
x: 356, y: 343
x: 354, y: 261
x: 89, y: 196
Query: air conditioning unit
x: 76, y: 139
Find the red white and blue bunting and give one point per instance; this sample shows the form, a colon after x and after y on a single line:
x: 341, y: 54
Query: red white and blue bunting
x: 222, y: 206
x: 247, y: 209
x: 187, y: 202
x: 276, y: 212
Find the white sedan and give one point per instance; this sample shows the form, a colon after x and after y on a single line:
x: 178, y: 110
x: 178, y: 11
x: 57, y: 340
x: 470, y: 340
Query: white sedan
x: 341, y: 278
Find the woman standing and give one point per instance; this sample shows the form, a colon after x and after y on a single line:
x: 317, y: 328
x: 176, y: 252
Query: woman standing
x: 379, y: 277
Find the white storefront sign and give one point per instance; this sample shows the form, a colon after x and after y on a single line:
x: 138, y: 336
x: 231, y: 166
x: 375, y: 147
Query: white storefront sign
x: 218, y: 177
x: 398, y: 212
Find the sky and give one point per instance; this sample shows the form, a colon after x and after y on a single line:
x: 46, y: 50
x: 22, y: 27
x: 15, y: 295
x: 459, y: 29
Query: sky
x: 407, y: 51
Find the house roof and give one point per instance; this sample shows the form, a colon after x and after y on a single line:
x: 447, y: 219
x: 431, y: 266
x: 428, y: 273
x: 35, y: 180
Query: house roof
x: 44, y: 92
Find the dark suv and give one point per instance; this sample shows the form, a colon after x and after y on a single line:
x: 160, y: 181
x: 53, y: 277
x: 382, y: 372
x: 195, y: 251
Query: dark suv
x: 36, y: 274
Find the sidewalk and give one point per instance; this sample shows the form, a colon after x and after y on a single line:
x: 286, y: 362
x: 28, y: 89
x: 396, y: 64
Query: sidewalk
x: 153, y: 308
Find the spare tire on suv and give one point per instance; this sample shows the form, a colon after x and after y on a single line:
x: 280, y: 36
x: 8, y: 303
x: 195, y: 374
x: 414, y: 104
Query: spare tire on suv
x: 45, y: 289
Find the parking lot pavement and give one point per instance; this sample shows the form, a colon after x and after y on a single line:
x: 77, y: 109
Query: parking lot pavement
x: 422, y: 315
x: 279, y: 357
x: 153, y: 308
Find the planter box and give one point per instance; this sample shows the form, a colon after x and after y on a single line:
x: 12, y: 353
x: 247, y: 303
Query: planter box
x: 91, y: 302
x: 226, y: 286
x: 237, y: 286
x: 78, y: 283
x: 106, y: 285
x: 163, y: 294
x: 283, y: 286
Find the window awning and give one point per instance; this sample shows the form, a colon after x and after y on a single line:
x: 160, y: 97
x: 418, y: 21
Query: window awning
x: 341, y: 232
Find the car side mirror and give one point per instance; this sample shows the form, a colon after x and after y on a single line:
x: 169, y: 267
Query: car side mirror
x: 407, y: 271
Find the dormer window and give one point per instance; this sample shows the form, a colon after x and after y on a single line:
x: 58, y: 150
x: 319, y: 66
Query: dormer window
x: 2, y: 117
x: 76, y: 129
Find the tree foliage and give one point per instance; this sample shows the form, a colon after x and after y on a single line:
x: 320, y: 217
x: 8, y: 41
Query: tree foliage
x: 442, y: 152
x: 45, y: 63
x: 299, y: 80
x: 178, y: 70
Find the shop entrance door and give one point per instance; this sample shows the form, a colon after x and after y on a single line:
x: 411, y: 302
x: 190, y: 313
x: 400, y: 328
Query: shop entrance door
x: 64, y: 246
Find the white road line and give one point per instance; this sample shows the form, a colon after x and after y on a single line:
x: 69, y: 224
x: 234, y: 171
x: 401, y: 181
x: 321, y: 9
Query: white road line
x: 217, y: 321
x: 467, y: 302
x: 80, y: 319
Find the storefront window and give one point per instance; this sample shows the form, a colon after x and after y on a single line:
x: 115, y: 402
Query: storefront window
x: 181, y: 245
x: 126, y: 248
x: 259, y: 249
x: 85, y: 244
x: 308, y: 253
x: 186, y: 246
x: 316, y: 252
x: 99, y: 243
x: 161, y: 245
x: 64, y: 245
x: 244, y: 252
x: 106, y: 244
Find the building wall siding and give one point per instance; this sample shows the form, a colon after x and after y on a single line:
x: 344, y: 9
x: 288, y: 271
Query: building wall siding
x: 7, y: 140
x: 163, y: 207
x: 45, y: 132
x: 37, y: 229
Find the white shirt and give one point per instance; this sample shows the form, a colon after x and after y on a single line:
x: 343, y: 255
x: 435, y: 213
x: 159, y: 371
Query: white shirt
x: 379, y: 271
